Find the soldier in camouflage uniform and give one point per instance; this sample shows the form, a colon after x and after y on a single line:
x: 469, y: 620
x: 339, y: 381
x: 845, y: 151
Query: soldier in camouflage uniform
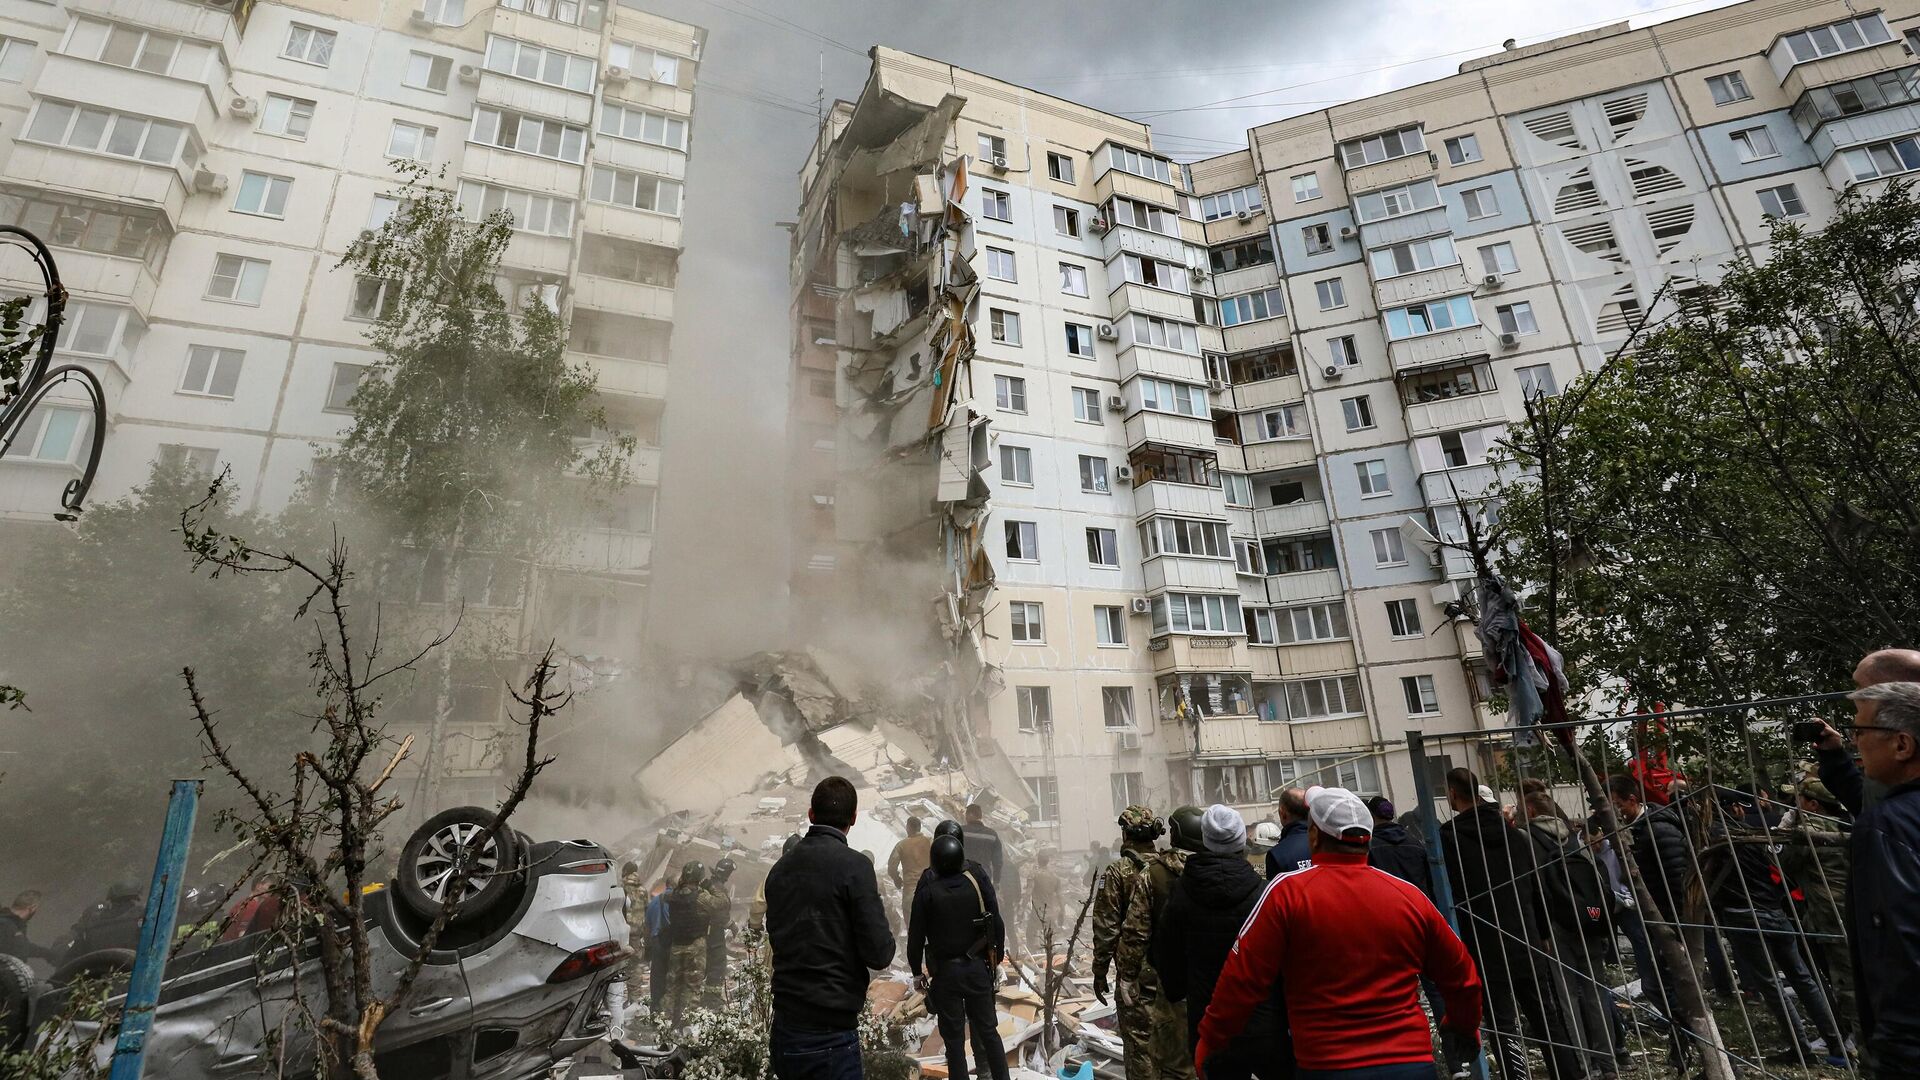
x: 691, y: 909
x: 1148, y: 892
x: 717, y: 933
x: 635, y: 886
x: 1138, y: 830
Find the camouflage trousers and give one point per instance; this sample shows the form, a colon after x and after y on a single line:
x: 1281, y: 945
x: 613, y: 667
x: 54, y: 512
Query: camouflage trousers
x: 1153, y: 1032
x: 687, y: 975
x: 1134, y: 1020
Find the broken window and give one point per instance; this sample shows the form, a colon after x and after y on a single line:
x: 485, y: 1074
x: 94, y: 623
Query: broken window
x: 1109, y: 624
x: 1298, y: 556
x: 1174, y: 465
x: 1023, y: 541
x: 1035, y: 706
x: 1116, y: 707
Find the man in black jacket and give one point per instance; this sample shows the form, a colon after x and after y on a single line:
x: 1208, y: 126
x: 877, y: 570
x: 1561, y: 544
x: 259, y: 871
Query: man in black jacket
x: 955, y: 937
x: 1661, y: 853
x: 827, y: 930
x: 1397, y: 850
x: 1211, y: 901
x: 13, y: 929
x: 1290, y: 853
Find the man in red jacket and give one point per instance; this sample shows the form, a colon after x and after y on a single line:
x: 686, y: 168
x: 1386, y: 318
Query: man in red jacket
x: 1348, y: 942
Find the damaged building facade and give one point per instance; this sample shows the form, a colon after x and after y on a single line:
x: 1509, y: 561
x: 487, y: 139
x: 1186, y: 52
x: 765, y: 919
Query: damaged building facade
x: 1147, y: 457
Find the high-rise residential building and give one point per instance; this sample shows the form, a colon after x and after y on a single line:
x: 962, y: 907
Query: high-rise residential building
x: 1153, y: 451
x: 199, y: 169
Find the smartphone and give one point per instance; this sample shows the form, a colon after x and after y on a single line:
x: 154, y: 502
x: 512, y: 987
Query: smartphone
x: 1806, y: 731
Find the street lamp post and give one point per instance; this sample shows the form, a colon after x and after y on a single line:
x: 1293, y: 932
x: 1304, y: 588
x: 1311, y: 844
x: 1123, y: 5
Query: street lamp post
x: 27, y: 374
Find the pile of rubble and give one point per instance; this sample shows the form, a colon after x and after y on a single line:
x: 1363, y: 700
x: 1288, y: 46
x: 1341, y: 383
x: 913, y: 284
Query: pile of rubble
x: 1084, y: 1029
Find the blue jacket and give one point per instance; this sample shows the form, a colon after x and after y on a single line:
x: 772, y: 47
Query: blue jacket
x: 656, y: 915
x: 1291, y: 853
x: 1883, y: 913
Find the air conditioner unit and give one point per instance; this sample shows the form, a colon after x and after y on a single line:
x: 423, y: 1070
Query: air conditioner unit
x: 1244, y: 215
x: 1199, y: 272
x: 1106, y: 332
x: 242, y: 107
x: 1123, y: 473
x: 1492, y: 281
x: 1509, y: 341
x: 209, y: 182
x: 614, y: 75
x: 1348, y: 232
x: 469, y: 73
x: 1142, y: 606
x: 1101, y: 225
x: 1116, y: 403
x: 1126, y: 740
x: 420, y: 17
x: 998, y: 163
x: 1217, y: 385
x: 1331, y: 371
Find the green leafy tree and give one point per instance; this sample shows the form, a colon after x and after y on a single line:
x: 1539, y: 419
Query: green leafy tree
x: 1728, y: 510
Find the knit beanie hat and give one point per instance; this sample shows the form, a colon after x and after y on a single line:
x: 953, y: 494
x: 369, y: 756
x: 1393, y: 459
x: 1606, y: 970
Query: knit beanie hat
x: 1222, y: 830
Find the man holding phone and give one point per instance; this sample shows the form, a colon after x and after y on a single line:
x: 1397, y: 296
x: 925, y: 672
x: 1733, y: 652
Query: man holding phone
x: 1883, y: 896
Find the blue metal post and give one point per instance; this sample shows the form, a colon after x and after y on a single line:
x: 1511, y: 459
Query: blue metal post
x: 1436, y: 859
x: 156, y: 931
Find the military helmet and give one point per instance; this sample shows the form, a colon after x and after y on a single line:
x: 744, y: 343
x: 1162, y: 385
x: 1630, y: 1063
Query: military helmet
x: 723, y: 869
x: 1137, y: 823
x: 949, y: 855
x: 693, y: 873
x: 949, y: 828
x: 629, y: 868
x: 1184, y: 824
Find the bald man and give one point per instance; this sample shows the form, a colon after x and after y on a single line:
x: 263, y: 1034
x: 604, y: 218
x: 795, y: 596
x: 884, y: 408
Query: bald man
x: 1887, y: 665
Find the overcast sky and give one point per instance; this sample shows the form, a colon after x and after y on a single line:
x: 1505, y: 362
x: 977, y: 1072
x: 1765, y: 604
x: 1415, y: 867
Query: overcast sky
x: 1208, y: 71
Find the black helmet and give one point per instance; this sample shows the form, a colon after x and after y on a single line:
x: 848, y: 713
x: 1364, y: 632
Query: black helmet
x: 949, y: 855
x: 1184, y: 823
x: 693, y: 873
x: 948, y: 828
x: 723, y: 869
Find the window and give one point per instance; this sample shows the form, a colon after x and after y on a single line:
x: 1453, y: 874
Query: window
x: 1086, y: 404
x: 445, y: 12
x: 1141, y: 215
x: 238, y: 279
x: 1753, y: 144
x: 532, y: 213
x: 1312, y: 622
x: 1010, y: 393
x: 412, y: 141
x: 1280, y: 423
x: 1318, y: 699
x: 1073, y: 279
x: 54, y: 434
x: 1129, y: 789
x: 1342, y: 352
x: 1000, y: 264
x: 1430, y: 317
x: 1162, y: 395
x: 639, y: 125
x: 1516, y: 318
x: 1239, y: 488
x: 1358, y: 412
x: 1028, y: 622
x: 1016, y: 465
x: 104, y: 228
x: 1457, y: 449
x: 200, y: 460
x: 1005, y: 325
x: 1388, y: 548
x: 566, y: 11
x: 1253, y: 251
x: 288, y: 116
x: 1397, y: 201
x: 1331, y: 293
x: 425, y: 71
x: 263, y: 195
x: 93, y: 328
x: 1864, y: 94
x: 1093, y: 475
x: 1252, y: 307
x: 1881, y: 159
x: 1023, y: 540
x: 644, y: 63
x: 1127, y: 159
x: 1306, y: 187
x: 1103, y: 546
x: 374, y: 298
x: 15, y: 55
x: 118, y: 134
x: 1373, y: 477
x: 531, y: 135
x: 1247, y: 558
x: 995, y: 205
x: 1185, y: 536
x: 1463, y: 149
x: 1066, y: 221
x: 1319, y: 238
x: 1145, y: 270
x: 1244, y: 200
x: 1536, y: 380
x: 1035, y: 704
x: 1116, y: 705
x: 346, y: 381
x: 1080, y: 339
x: 309, y: 44
x: 1196, y: 613
x: 1480, y: 203
x: 1382, y: 147
x: 1403, y: 618
x: 637, y: 191
x: 1439, y: 384
x: 1046, y: 797
x: 550, y: 66
x: 1413, y: 256
x: 1728, y: 88
x: 1837, y: 37
x: 1781, y: 202
x: 1287, y: 492
x: 1178, y: 336
x: 1499, y: 259
x: 1060, y: 167
x: 1422, y: 698
x: 993, y: 149
x: 212, y: 372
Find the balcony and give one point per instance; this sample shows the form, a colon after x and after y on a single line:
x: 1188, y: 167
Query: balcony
x: 640, y: 157
x: 1394, y: 230
x: 552, y: 255
x: 1279, y: 454
x: 1454, y: 485
x: 210, y: 20
x: 627, y: 224
x: 1343, y: 733
x: 1423, y: 285
x: 1227, y: 736
x: 1401, y: 170
x: 162, y: 97
x: 548, y: 33
x: 649, y: 95
x: 89, y: 275
x: 1185, y: 500
x: 1304, y: 587
x: 1188, y: 573
x: 619, y: 375
x: 1799, y: 78
x: 1317, y: 658
x: 536, y: 99
x: 514, y: 169
x: 1145, y: 242
x: 1137, y: 360
x: 1848, y: 131
x: 1285, y: 390
x: 627, y: 297
x: 58, y: 169
x: 1117, y: 182
x: 1170, y: 428
x: 1446, y: 414
x: 1257, y: 335
x: 1310, y: 516
x: 1247, y: 279
x: 607, y: 551
x: 1129, y: 297
x: 1199, y: 652
x: 1439, y: 348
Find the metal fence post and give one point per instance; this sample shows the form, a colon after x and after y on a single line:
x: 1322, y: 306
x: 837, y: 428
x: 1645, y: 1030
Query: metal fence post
x: 1436, y: 858
x: 156, y: 932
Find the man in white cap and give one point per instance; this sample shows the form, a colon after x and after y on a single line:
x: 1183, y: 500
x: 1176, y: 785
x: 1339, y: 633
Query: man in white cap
x: 1348, y: 943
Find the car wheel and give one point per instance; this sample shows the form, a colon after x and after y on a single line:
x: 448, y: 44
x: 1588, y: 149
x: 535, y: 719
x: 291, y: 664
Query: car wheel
x: 455, y: 854
x: 111, y: 965
x: 16, y: 1002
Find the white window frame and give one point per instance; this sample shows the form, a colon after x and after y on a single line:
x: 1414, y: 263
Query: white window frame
x: 520, y: 205
x: 1073, y: 280
x: 1480, y: 202
x: 1517, y: 318
x: 1728, y: 87
x: 344, y: 376
x: 263, y: 187
x: 1308, y: 191
x: 1253, y: 307
x: 1093, y: 475
x: 1022, y: 540
x: 634, y: 124
x: 1103, y: 547
x: 1318, y: 237
x: 424, y: 137
x: 1420, y: 695
x: 88, y: 316
x: 1064, y: 171
x: 294, y: 110
x: 109, y: 132
x: 1004, y: 326
x: 34, y: 447
x: 662, y: 68
x: 218, y: 362
x: 15, y: 55
x: 1033, y: 708
x: 994, y: 199
x: 1403, y: 618
x: 1029, y: 622
x: 1463, y: 149
x: 1066, y: 221
x: 1109, y: 626
x: 1343, y: 351
x: 435, y: 64
x: 1530, y: 379
x: 1374, y: 149
x: 1080, y: 338
x: 311, y: 44
x: 1331, y: 293
x: 605, y: 183
x: 1754, y: 144
x: 507, y: 56
x: 1782, y: 196
x: 1389, y: 548
x: 242, y: 265
x: 1864, y: 26
x: 1492, y: 263
x: 1358, y: 413
x: 1002, y: 259
x: 1086, y: 405
x: 385, y: 294
x: 1016, y: 465
x: 1373, y: 484
x: 489, y: 125
x: 1010, y: 394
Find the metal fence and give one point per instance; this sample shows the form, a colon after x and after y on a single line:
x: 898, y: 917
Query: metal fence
x: 1727, y: 956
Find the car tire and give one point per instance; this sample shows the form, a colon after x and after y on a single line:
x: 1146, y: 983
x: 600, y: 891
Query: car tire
x: 426, y: 863
x: 98, y: 964
x: 17, y: 991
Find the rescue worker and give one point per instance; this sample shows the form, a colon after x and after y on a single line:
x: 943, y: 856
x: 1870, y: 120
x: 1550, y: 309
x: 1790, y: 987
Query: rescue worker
x: 658, y: 949
x: 955, y: 938
x: 690, y: 914
x: 113, y: 923
x: 635, y: 886
x: 717, y: 932
x: 1045, y: 908
x: 1165, y: 1020
x: 909, y: 860
x: 1138, y: 830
